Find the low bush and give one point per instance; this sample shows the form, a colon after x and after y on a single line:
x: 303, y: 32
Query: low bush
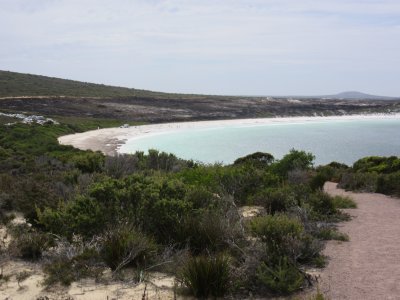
x: 29, y: 245
x: 71, y: 261
x: 322, y: 204
x: 332, y: 234
x: 206, y: 276
x: 125, y: 245
x: 59, y: 271
x: 210, y: 231
x: 275, y: 199
x: 343, y: 202
x: 319, y: 261
x: 278, y: 232
x: 308, y: 249
x: 83, y: 215
x: 283, y: 277
x: 389, y: 184
x: 363, y: 182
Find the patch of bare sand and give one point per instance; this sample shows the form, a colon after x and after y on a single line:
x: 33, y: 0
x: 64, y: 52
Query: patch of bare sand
x: 158, y: 286
x: 368, y: 266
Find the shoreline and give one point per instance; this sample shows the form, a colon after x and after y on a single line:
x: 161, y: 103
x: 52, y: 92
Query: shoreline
x: 109, y: 140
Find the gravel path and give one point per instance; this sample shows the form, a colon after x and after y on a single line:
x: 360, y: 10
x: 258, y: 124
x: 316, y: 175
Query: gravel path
x: 367, y: 267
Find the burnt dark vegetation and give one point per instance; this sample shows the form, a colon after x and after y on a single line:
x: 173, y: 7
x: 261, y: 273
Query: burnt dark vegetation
x: 77, y: 102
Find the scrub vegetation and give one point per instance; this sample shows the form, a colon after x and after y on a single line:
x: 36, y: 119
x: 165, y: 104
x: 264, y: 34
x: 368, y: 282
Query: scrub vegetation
x: 373, y: 174
x: 87, y: 213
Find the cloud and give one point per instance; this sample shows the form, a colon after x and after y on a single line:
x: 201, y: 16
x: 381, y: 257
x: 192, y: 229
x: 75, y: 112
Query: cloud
x: 176, y: 45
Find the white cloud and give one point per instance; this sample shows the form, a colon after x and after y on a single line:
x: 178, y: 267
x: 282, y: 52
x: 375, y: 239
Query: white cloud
x: 207, y: 46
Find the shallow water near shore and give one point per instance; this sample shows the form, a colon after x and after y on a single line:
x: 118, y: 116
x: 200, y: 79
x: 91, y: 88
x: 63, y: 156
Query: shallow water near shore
x: 329, y: 140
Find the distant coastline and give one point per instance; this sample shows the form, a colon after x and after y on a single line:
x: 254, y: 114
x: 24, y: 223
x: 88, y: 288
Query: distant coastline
x: 109, y: 140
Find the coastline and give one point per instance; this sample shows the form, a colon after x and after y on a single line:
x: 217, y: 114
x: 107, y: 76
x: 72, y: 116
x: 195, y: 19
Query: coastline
x: 109, y: 140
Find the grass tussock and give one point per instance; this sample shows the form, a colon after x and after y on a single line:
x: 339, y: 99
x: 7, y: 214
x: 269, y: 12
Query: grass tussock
x: 206, y: 276
x: 343, y: 202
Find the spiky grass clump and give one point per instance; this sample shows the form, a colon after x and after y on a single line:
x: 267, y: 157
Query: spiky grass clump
x: 343, y: 202
x: 207, y: 276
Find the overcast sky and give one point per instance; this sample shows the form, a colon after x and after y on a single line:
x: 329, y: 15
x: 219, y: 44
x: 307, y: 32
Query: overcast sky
x: 238, y: 47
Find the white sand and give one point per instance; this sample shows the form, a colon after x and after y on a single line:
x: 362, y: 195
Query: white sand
x: 109, y: 140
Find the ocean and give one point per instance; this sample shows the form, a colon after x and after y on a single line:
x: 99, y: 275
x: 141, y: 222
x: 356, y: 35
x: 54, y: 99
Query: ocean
x: 343, y: 141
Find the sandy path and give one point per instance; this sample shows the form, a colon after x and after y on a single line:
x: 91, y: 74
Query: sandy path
x: 367, y: 267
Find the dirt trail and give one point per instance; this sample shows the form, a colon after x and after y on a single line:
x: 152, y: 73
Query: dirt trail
x: 367, y: 267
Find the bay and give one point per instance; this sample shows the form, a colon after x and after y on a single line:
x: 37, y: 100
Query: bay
x: 332, y: 140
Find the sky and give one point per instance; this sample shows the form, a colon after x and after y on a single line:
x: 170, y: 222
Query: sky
x: 229, y: 47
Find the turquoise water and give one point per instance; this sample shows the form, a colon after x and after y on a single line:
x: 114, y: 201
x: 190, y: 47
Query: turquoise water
x: 343, y: 141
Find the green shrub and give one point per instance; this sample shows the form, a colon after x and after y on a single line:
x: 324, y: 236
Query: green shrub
x: 209, y: 231
x: 308, y: 249
x: 363, y: 182
x: 389, y: 184
x: 343, y: 202
x: 84, y: 216
x: 278, y: 232
x: 125, y: 245
x: 275, y: 199
x: 332, y: 234
x: 283, y: 277
x: 295, y: 160
x: 322, y: 204
x: 259, y: 159
x: 319, y: 261
x: 378, y: 164
x: 207, y: 276
x: 317, y: 181
x: 330, y: 172
x: 89, y: 162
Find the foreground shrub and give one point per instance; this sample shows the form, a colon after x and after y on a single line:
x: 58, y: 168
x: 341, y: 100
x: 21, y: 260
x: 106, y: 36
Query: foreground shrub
x: 211, y: 230
x: 322, y: 204
x: 389, y: 184
x: 275, y: 199
x: 125, y: 245
x: 59, y: 271
x: 65, y: 270
x: 277, y: 232
x: 284, y: 277
x: 30, y: 245
x: 343, y: 202
x: 332, y: 234
x: 71, y: 261
x: 83, y: 215
x: 207, y: 276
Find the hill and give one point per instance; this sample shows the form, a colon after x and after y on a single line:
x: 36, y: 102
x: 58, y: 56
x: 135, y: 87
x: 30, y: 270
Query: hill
x: 14, y: 84
x: 74, y: 101
x: 357, y: 95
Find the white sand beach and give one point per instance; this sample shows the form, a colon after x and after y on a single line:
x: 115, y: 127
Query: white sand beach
x: 109, y: 140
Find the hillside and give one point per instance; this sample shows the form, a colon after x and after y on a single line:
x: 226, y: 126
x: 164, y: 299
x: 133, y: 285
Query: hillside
x: 79, y: 101
x: 14, y: 84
